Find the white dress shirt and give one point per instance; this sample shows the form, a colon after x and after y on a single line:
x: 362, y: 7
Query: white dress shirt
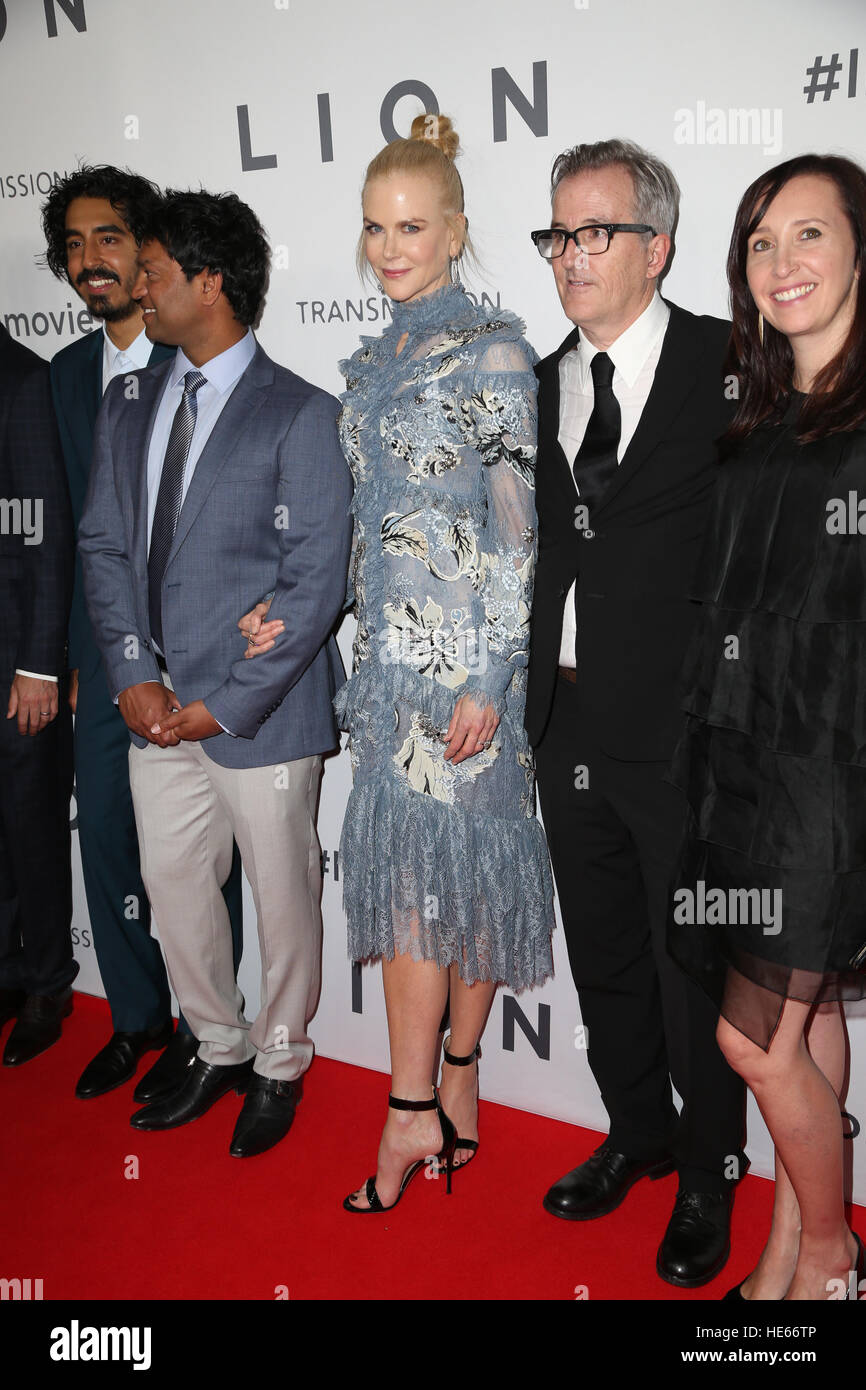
x: 116, y: 361
x: 635, y: 355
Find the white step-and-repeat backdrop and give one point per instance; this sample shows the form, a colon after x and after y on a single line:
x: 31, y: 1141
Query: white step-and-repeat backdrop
x: 285, y: 101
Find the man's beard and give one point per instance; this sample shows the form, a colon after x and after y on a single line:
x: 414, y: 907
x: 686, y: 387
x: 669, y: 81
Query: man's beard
x: 97, y: 302
x: 117, y: 314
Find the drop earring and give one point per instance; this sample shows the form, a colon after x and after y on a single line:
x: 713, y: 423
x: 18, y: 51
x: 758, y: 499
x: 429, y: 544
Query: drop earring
x: 455, y: 270
x: 761, y: 327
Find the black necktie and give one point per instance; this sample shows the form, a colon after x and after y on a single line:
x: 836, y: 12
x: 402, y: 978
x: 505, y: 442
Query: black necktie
x: 595, y: 462
x: 168, y: 499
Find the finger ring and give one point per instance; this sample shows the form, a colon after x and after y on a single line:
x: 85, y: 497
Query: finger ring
x: 488, y: 743
x: 44, y: 713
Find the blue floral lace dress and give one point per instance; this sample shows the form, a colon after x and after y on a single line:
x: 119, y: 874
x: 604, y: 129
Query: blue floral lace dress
x: 440, y: 861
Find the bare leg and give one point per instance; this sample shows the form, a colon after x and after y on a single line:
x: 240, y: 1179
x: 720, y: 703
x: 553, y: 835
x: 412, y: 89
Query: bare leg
x: 415, y: 995
x: 470, y: 1005
x: 771, y: 1278
x: 801, y: 1110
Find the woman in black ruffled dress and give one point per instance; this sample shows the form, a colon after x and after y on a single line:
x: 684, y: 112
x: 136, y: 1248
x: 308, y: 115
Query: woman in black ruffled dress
x: 770, y: 909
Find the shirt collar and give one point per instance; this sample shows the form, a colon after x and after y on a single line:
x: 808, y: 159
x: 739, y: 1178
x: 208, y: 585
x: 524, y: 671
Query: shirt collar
x: 630, y: 350
x: 221, y: 371
x: 137, y: 354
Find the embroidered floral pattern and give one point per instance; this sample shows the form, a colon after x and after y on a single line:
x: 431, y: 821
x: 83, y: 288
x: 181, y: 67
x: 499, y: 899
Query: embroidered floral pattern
x: 441, y: 442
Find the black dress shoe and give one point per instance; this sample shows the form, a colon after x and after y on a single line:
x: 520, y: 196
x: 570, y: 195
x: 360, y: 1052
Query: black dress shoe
x: 11, y: 1004
x: 266, y: 1117
x: 697, y: 1242
x: 169, y: 1071
x: 600, y: 1184
x: 39, y: 1026
x: 117, y: 1061
x: 204, y: 1085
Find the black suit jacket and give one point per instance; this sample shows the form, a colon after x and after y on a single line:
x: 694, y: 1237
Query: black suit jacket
x: 35, y: 578
x: 76, y: 388
x: 634, y: 567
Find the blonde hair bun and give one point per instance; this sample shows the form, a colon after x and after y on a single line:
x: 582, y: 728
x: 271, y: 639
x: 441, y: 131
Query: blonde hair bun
x: 436, y: 130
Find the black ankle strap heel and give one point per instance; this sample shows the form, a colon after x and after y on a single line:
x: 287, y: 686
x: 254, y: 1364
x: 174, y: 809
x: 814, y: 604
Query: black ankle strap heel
x: 471, y: 1144
x: 445, y: 1156
x: 461, y: 1061
x: 396, y: 1103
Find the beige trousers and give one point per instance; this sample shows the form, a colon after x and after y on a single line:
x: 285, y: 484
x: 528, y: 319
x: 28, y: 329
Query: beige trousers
x: 187, y: 809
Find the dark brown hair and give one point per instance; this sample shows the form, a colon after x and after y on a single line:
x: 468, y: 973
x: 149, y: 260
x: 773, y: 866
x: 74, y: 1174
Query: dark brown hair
x: 837, y: 400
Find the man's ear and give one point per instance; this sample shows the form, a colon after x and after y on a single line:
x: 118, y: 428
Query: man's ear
x: 211, y: 285
x: 659, y: 250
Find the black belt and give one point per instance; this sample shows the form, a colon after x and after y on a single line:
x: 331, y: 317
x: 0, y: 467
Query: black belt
x: 568, y: 673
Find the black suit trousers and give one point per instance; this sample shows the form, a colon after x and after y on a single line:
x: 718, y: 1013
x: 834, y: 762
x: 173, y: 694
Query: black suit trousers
x: 35, y: 867
x: 614, y: 829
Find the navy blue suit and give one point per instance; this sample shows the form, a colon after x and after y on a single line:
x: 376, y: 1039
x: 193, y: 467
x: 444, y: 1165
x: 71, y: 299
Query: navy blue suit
x: 130, y: 960
x: 35, y: 772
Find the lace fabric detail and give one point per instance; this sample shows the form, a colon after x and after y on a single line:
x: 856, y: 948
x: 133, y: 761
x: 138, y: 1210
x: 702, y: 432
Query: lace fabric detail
x: 443, y: 861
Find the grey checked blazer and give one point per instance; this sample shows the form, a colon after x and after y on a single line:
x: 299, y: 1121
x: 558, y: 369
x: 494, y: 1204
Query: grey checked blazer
x: 267, y: 509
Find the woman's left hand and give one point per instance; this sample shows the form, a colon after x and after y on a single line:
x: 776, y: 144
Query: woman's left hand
x: 471, y: 729
x: 260, y: 633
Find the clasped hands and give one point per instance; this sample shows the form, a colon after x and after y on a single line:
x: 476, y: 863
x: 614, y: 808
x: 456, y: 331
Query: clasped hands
x: 471, y: 728
x: 152, y: 711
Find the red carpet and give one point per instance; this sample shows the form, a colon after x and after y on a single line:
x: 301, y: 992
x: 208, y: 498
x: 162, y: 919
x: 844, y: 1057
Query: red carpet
x: 197, y: 1224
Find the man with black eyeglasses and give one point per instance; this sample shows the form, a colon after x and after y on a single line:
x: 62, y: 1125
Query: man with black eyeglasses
x: 631, y: 405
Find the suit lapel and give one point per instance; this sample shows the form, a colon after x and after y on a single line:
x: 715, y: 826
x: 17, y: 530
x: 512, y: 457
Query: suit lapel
x: 91, y: 385
x: 140, y: 429
x: 235, y: 418
x: 160, y: 353
x: 548, y: 375
x: 150, y: 387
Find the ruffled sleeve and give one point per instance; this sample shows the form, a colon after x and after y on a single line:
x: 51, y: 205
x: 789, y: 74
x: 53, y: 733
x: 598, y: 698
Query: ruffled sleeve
x: 504, y: 409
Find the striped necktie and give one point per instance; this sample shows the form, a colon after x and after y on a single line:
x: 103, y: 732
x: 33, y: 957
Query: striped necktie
x: 168, y: 499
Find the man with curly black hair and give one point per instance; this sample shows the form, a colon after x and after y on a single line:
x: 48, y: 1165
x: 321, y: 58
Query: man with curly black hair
x: 93, y: 222
x: 217, y: 478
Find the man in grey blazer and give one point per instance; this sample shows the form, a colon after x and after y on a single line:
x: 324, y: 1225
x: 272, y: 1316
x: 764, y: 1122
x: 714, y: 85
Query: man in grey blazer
x: 218, y: 478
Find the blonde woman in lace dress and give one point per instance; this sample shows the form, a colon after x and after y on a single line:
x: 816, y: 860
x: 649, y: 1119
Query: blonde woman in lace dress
x: 446, y: 875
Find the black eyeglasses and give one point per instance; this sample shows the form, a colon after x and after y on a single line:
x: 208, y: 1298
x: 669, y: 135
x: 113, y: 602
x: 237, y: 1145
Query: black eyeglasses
x: 594, y: 238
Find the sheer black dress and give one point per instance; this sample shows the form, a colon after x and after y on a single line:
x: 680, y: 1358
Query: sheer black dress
x: 770, y: 898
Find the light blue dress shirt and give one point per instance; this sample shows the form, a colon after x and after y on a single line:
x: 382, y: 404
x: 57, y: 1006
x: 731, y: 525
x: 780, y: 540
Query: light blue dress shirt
x: 222, y: 374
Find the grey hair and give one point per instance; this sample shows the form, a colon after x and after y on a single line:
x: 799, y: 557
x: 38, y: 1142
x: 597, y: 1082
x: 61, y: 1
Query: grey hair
x: 656, y: 191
